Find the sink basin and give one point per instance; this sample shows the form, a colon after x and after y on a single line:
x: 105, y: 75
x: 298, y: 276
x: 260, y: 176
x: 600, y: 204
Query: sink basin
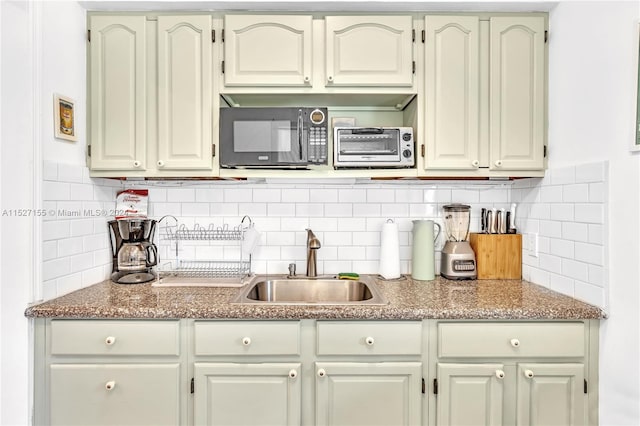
x: 265, y: 289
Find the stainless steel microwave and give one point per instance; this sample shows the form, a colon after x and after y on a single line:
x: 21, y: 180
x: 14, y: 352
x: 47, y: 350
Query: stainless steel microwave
x: 273, y: 137
x: 372, y: 147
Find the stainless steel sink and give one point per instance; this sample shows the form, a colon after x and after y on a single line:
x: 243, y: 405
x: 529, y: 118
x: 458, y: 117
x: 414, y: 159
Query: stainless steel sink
x: 270, y: 289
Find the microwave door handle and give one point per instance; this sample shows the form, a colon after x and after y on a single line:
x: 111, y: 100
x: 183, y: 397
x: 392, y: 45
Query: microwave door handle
x: 300, y: 133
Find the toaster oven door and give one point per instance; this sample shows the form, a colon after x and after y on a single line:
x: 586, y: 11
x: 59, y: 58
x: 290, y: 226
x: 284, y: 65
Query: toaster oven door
x: 358, y: 146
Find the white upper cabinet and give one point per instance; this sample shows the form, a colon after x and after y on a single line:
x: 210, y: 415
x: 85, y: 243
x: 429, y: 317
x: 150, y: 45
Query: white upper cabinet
x: 267, y: 50
x: 369, y: 51
x: 184, y: 92
x: 517, y: 93
x: 118, y: 92
x: 452, y: 96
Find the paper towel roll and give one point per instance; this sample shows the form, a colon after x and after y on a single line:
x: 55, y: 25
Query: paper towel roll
x: 389, y: 251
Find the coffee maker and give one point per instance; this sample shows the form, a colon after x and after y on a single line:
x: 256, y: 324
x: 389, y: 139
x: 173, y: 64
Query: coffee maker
x: 134, y: 253
x: 457, y: 261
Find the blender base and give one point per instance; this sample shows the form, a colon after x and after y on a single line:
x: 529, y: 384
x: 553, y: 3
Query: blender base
x: 458, y: 261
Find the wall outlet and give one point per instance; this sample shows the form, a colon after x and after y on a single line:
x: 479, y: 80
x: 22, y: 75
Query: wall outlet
x: 532, y: 244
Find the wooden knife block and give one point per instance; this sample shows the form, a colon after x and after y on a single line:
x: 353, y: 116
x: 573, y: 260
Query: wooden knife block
x: 498, y: 256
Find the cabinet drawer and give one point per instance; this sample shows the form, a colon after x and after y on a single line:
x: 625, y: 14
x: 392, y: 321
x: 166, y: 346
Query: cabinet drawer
x: 247, y: 338
x: 114, y: 337
x: 115, y: 394
x: 369, y: 338
x: 471, y: 340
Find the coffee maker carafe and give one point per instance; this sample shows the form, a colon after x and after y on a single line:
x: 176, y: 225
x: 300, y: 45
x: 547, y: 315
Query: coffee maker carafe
x: 133, y: 250
x: 458, y: 261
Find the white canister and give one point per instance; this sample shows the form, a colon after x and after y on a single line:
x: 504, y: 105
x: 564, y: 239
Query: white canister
x: 423, y: 253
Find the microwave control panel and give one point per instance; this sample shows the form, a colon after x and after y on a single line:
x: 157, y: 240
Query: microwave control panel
x: 317, y: 146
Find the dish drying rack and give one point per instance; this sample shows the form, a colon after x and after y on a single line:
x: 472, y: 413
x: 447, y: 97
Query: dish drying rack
x: 228, y: 265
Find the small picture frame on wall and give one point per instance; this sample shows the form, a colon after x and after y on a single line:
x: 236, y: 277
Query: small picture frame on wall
x: 64, y: 118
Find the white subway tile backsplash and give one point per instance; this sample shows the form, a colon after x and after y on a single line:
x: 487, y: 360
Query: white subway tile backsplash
x: 550, y: 263
x: 267, y: 195
x: 590, y: 253
x: 562, y: 248
x: 465, y: 196
x: 238, y: 195
x: 295, y: 195
x: 597, y: 192
x: 55, y: 230
x: 561, y: 284
x: 209, y: 195
x: 566, y: 209
x: 578, y: 193
x: 551, y: 194
x: 55, y: 191
x: 342, y: 210
x: 589, y: 293
x: 590, y: 213
x: 195, y: 209
x: 409, y: 195
x: 562, y: 211
x: 379, y: 195
x: 252, y: 209
x: 70, y: 173
x: 318, y: 195
x: 433, y: 195
x: 393, y: 211
x: 56, y: 268
x: 575, y: 231
x: 574, y: 269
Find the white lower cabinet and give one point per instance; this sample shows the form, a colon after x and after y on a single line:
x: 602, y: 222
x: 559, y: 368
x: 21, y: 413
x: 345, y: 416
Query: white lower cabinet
x: 367, y: 394
x: 115, y: 394
x: 470, y: 394
x: 511, y: 373
x: 308, y: 372
x: 227, y: 394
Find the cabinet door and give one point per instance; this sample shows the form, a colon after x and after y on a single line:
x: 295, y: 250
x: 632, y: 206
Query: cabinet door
x: 517, y: 93
x: 247, y: 394
x: 118, y: 92
x: 369, y: 50
x: 452, y: 70
x: 267, y: 50
x: 550, y: 394
x: 184, y: 92
x: 470, y: 394
x: 114, y: 394
x: 368, y: 394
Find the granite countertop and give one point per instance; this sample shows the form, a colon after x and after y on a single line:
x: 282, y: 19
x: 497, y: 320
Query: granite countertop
x: 408, y: 300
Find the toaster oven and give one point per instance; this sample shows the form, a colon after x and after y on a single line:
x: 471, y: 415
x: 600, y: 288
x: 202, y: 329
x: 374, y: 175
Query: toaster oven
x: 371, y: 147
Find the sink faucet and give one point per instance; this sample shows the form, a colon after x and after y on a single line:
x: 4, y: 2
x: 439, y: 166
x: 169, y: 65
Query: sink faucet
x: 313, y: 244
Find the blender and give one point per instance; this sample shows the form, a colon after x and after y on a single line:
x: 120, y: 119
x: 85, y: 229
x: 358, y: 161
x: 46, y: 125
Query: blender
x: 458, y: 261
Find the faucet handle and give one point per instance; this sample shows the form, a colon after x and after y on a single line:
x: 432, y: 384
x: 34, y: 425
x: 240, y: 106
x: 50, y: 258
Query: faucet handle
x: 292, y: 269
